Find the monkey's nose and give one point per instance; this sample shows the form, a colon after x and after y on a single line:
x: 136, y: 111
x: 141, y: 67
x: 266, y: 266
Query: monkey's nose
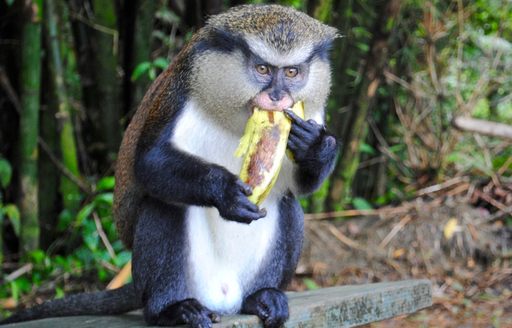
x: 264, y: 100
x: 276, y: 95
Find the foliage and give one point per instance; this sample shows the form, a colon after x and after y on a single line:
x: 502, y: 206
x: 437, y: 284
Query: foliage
x: 99, y: 251
x: 7, y: 210
x: 151, y: 68
x: 453, y: 67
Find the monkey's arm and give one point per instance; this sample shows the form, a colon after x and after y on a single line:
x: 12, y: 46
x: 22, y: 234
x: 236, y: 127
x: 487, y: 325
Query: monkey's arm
x: 173, y: 176
x: 314, y: 151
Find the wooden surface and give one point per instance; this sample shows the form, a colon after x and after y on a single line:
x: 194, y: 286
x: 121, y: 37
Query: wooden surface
x: 345, y: 306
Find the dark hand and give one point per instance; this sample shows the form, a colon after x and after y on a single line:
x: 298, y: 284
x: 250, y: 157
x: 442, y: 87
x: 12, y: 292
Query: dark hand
x: 309, y: 141
x: 230, y: 198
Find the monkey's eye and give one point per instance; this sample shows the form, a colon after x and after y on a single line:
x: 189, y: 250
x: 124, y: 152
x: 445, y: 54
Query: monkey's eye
x: 291, y: 72
x: 263, y: 69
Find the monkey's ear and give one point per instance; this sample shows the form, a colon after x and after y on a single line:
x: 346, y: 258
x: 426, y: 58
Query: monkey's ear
x: 322, y: 49
x: 222, y: 40
x: 332, y: 32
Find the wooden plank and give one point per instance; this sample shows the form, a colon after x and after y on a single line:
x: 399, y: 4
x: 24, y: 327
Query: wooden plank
x: 345, y: 306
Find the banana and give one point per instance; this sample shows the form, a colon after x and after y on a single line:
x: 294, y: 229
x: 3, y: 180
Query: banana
x: 263, y: 146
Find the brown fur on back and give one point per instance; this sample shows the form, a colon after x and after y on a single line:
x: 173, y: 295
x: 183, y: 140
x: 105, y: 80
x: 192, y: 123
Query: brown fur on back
x: 146, y: 125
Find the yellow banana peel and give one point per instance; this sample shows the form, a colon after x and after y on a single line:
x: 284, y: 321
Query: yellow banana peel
x: 263, y: 146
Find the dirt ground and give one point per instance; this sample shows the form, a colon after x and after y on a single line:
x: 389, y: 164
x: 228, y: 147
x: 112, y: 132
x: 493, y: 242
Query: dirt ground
x: 461, y: 249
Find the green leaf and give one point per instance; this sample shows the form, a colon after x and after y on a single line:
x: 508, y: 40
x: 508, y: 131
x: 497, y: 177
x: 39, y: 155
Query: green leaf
x: 65, y: 219
x: 161, y: 63
x: 23, y: 284
x: 361, y: 204
x: 310, y: 284
x: 5, y: 173
x: 59, y: 292
x: 9, y: 2
x: 152, y: 73
x: 91, y: 237
x: 37, y: 256
x: 366, y: 148
x: 122, y: 258
x: 140, y: 69
x: 12, y: 212
x: 84, y: 213
x: 15, y: 291
x: 362, y: 46
x: 104, y: 198
x: 106, y: 183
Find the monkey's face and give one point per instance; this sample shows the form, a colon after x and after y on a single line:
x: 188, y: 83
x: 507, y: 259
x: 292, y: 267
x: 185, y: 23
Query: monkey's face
x: 276, y: 83
x: 287, y: 75
x: 228, y: 85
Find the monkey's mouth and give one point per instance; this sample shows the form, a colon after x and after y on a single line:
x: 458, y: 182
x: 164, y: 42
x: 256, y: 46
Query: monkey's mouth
x: 265, y: 102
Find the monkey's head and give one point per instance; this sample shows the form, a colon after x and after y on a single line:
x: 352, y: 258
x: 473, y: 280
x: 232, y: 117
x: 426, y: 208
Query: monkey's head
x: 267, y: 56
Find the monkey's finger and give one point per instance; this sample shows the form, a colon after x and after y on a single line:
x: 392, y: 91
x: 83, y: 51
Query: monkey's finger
x: 244, y: 187
x: 299, y: 121
x: 296, y: 143
x: 309, y: 126
x: 243, y: 210
x: 307, y: 136
x: 247, y: 204
x: 308, y: 129
x: 292, y: 116
x: 214, y: 317
x: 329, y: 143
x: 253, y: 208
x: 245, y: 216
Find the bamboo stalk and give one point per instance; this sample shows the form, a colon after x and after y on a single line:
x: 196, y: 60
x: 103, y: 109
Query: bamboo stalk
x: 29, y: 125
x: 70, y: 192
x: 107, y: 83
x: 346, y: 168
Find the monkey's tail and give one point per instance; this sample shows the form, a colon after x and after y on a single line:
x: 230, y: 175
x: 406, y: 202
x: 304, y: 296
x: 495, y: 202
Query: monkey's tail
x: 115, y: 301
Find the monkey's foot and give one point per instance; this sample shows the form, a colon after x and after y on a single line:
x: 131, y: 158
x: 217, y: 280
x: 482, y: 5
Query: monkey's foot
x: 189, y: 312
x: 269, y: 304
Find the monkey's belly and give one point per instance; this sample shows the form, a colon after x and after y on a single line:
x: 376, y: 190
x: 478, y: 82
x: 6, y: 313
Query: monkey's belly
x: 225, y: 256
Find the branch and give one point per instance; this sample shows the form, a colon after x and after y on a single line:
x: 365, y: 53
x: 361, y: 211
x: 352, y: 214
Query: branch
x: 86, y: 188
x: 487, y: 128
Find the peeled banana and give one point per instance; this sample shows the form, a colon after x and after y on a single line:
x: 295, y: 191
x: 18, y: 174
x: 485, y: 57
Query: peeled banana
x: 263, y: 146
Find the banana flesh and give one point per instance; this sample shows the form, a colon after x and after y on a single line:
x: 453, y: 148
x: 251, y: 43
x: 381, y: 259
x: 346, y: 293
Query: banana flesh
x: 263, y: 146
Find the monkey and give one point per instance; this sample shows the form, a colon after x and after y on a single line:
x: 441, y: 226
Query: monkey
x: 200, y: 248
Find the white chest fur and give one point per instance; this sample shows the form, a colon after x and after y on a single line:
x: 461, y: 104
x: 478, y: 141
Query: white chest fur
x: 224, y: 256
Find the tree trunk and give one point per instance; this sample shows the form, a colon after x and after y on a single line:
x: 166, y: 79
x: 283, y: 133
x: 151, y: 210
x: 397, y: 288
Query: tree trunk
x: 316, y: 204
x: 29, y: 124
x: 69, y: 190
x: 105, y: 48
x: 346, y: 168
x: 141, y: 50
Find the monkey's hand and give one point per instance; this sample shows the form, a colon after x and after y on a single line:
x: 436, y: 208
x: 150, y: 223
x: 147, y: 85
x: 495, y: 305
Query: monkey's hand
x: 314, y: 150
x: 230, y: 197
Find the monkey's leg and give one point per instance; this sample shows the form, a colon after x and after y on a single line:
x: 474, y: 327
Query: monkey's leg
x: 269, y: 304
x: 314, y: 150
x: 159, y: 267
x: 266, y: 300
